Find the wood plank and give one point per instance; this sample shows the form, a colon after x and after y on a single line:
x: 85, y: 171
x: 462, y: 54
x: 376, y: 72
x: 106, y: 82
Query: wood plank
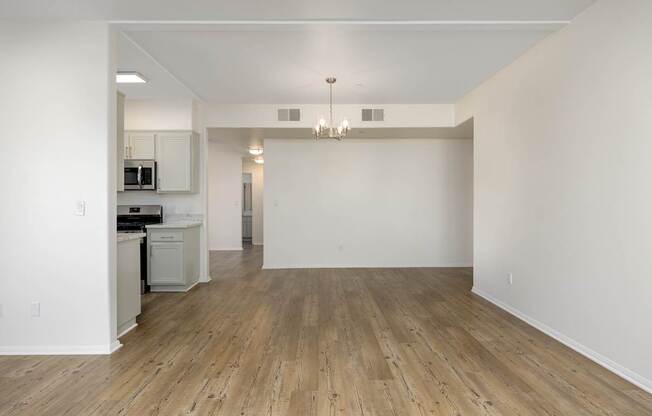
x: 385, y: 342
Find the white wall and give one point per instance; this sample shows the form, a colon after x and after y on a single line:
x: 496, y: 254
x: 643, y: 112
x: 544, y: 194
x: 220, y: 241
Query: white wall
x: 368, y: 203
x: 562, y: 189
x: 57, y: 111
x: 224, y: 197
x: 257, y: 176
x: 159, y: 114
x: 396, y: 115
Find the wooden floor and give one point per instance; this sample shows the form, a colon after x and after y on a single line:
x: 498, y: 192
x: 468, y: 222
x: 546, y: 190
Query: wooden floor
x: 322, y: 342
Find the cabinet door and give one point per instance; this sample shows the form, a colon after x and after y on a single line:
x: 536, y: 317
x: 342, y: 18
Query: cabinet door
x: 166, y: 264
x: 174, y: 157
x: 141, y: 146
x: 128, y: 281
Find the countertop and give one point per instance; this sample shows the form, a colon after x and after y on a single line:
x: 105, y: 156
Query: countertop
x: 122, y: 237
x: 176, y: 224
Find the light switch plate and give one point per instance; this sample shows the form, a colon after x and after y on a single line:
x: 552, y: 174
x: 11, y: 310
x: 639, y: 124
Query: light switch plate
x: 80, y: 208
x: 35, y: 309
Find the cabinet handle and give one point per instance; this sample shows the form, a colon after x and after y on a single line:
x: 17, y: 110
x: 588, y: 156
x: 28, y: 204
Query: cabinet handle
x: 167, y: 236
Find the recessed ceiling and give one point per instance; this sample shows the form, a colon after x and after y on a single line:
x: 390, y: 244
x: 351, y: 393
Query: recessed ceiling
x: 373, y: 64
x: 160, y: 83
x: 240, y: 139
x: 279, y: 51
x: 295, y: 9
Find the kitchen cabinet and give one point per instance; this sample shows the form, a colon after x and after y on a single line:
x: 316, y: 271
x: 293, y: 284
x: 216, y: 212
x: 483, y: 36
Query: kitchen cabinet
x: 140, y: 145
x: 167, y: 263
x: 177, y: 159
x: 120, y: 141
x: 176, y: 154
x: 173, y: 256
x: 128, y: 281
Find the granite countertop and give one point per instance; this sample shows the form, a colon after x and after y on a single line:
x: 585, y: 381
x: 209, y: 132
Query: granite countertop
x: 176, y: 224
x: 122, y: 237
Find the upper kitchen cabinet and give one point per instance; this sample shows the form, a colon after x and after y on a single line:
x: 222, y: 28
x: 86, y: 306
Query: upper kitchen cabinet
x: 177, y: 161
x: 140, y: 145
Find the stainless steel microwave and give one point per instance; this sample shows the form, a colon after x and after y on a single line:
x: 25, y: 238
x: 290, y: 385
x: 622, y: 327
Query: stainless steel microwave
x: 140, y: 175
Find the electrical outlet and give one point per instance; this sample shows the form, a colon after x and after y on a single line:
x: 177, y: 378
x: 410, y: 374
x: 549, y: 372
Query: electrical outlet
x: 510, y: 278
x: 340, y: 247
x: 35, y: 309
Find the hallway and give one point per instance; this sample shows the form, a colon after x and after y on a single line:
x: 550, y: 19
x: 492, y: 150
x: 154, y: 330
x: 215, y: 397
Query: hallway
x: 321, y: 342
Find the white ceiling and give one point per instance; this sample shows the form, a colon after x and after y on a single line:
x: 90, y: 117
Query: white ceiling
x: 240, y: 139
x: 161, y: 84
x: 280, y: 51
x: 295, y: 9
x: 373, y: 63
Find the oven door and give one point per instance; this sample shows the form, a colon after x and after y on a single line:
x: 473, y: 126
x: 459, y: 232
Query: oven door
x: 140, y: 175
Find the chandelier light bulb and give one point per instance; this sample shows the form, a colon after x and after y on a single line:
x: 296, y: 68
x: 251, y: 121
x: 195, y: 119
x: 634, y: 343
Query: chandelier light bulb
x: 256, y: 151
x: 327, y: 129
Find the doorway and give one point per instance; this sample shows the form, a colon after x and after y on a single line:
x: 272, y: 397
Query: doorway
x: 247, y: 208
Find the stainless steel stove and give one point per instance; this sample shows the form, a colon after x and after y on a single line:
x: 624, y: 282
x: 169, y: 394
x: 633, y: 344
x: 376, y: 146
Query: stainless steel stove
x: 134, y: 219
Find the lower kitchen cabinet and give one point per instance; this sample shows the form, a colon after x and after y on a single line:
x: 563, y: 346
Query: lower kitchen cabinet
x: 173, y: 257
x: 128, y: 282
x: 167, y: 264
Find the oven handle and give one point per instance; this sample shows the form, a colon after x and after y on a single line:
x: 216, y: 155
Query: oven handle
x: 140, y: 176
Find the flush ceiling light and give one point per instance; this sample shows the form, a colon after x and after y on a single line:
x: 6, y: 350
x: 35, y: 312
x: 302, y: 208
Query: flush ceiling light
x: 130, y: 78
x: 324, y: 130
x: 259, y: 160
x: 256, y: 151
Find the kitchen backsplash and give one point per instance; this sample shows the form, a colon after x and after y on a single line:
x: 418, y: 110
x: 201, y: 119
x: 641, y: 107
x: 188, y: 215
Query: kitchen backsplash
x: 181, y: 217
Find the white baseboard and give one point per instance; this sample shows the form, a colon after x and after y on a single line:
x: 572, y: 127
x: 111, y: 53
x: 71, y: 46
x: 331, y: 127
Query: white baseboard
x: 115, y: 346
x: 204, y: 279
x: 172, y: 288
x: 129, y: 326
x: 236, y: 248
x: 594, y: 356
x: 349, y: 266
x: 61, y: 349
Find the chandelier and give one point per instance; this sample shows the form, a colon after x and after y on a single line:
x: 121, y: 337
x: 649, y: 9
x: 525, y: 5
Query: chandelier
x: 325, y: 130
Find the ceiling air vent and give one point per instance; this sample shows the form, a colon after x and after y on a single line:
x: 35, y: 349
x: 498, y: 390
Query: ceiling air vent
x: 373, y: 114
x: 289, y: 114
